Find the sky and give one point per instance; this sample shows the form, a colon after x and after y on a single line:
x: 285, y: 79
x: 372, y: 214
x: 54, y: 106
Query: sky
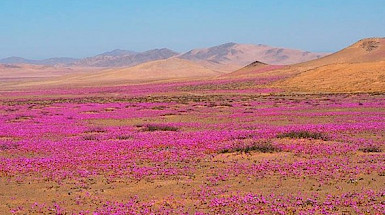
x: 38, y: 29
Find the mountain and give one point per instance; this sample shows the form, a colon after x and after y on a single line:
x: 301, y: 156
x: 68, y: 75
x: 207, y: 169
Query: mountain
x: 50, y: 61
x: 237, y: 56
x: 357, y: 68
x: 122, y: 58
x: 57, y: 61
x: 15, y: 60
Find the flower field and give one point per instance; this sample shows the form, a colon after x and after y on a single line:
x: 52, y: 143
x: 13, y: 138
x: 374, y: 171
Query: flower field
x: 150, y: 150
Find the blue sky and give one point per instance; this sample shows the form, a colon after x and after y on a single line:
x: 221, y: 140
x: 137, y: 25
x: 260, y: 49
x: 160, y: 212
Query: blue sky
x: 77, y: 28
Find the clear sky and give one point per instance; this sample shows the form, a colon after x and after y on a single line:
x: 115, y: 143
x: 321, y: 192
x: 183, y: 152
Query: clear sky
x: 77, y: 28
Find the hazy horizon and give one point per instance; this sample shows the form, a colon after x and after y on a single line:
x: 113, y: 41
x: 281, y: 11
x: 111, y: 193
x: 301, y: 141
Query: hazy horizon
x: 44, y: 29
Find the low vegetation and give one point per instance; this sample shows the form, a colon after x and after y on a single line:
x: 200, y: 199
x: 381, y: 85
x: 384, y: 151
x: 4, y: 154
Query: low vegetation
x: 369, y: 149
x: 262, y: 146
x: 154, y: 127
x: 74, y: 158
x: 303, y: 135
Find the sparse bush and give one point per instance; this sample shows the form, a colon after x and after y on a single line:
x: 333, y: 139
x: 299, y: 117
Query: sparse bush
x: 159, y: 108
x: 123, y: 137
x: 368, y: 149
x: 159, y: 128
x: 223, y: 151
x: 243, y: 137
x: 4, y: 147
x: 226, y: 104
x: 22, y: 118
x: 90, y: 137
x: 303, y: 135
x: 264, y: 147
x: 96, y: 130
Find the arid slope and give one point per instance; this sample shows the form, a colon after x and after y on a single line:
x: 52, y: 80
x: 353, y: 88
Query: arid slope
x: 365, y: 50
x: 342, y: 77
x: 357, y: 68
x: 161, y: 69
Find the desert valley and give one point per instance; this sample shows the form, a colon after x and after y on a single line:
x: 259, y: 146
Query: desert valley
x: 192, y: 107
x: 230, y: 129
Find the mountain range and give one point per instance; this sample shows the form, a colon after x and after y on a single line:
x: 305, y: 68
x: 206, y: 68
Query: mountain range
x: 50, y: 61
x: 226, y: 57
x: 356, y: 68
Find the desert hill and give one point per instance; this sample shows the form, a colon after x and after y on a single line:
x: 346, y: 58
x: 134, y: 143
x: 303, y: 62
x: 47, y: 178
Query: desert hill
x: 11, y: 76
x: 252, y: 68
x: 22, y: 71
x: 168, y: 69
x: 357, y: 68
x: 365, y: 50
x: 154, y: 70
x: 341, y: 77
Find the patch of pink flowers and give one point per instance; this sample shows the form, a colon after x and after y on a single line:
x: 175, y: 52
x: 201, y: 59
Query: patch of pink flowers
x: 66, y: 139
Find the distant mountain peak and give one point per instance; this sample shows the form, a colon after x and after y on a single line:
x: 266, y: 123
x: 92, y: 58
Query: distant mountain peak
x: 117, y: 52
x: 49, y: 61
x: 161, y: 50
x: 228, y: 45
x: 15, y: 60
